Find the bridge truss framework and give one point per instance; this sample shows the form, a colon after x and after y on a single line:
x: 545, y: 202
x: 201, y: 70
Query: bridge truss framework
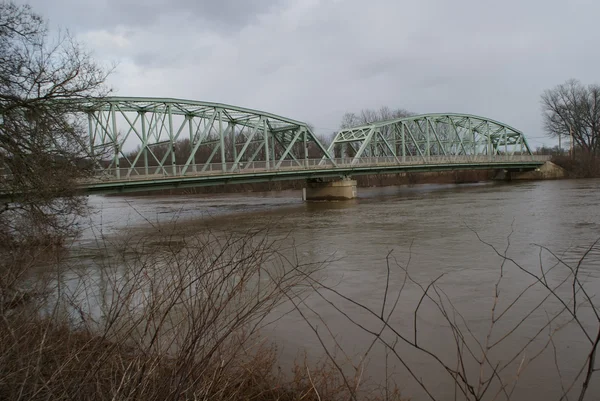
x: 126, y: 134
x: 428, y: 135
x: 232, y: 136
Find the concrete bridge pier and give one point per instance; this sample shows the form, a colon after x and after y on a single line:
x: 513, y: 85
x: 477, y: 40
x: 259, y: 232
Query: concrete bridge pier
x: 319, y: 190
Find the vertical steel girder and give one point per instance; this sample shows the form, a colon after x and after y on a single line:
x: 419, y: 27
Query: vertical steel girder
x: 429, y: 135
x: 138, y: 136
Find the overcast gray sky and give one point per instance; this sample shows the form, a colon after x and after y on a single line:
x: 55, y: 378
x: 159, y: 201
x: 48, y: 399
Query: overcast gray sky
x: 314, y: 60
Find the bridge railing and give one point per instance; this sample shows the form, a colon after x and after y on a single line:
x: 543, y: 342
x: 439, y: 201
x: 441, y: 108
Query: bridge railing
x: 150, y: 173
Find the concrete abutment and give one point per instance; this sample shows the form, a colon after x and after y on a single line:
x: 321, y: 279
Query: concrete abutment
x: 548, y: 171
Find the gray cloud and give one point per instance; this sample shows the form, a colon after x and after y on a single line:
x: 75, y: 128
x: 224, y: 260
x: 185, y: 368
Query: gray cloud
x: 224, y: 15
x: 316, y: 59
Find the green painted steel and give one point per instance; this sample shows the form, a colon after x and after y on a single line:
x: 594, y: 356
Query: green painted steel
x: 129, y: 135
x: 451, y: 135
x: 257, y: 172
x: 154, y: 143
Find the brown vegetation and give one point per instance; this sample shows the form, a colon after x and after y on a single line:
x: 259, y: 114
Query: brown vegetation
x: 179, y: 319
x: 581, y: 166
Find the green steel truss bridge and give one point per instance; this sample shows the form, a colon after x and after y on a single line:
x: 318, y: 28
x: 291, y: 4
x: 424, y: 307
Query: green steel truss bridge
x: 151, y: 143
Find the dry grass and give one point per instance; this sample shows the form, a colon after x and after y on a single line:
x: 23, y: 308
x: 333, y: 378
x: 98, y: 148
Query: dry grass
x: 172, y: 319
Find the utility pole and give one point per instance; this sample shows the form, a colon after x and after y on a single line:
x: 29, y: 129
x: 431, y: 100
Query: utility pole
x: 559, y: 144
x: 571, y: 147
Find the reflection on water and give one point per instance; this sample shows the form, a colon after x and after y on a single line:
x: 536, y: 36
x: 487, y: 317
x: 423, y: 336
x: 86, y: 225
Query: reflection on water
x: 437, y: 228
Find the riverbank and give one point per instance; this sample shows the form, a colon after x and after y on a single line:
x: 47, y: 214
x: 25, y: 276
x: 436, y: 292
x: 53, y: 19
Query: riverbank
x: 165, y: 316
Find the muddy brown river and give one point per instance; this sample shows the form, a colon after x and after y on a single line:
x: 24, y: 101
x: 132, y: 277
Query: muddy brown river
x: 436, y: 232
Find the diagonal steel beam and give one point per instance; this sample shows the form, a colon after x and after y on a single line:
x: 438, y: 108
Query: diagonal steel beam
x: 392, y: 150
x: 363, y: 146
x: 243, y: 150
x: 437, y: 138
x: 289, y: 147
x: 207, y: 129
x: 410, y: 134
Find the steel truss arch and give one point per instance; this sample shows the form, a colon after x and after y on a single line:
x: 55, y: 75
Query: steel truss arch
x: 126, y: 133
x: 448, y: 135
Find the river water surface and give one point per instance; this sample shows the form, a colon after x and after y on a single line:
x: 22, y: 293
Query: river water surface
x: 434, y: 230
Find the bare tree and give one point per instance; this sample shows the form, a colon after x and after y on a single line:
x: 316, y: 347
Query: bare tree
x: 42, y: 145
x: 574, y: 109
x: 474, y: 364
x: 368, y: 116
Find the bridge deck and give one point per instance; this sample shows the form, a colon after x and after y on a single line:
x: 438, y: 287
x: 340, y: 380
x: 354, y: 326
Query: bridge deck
x: 156, y: 178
